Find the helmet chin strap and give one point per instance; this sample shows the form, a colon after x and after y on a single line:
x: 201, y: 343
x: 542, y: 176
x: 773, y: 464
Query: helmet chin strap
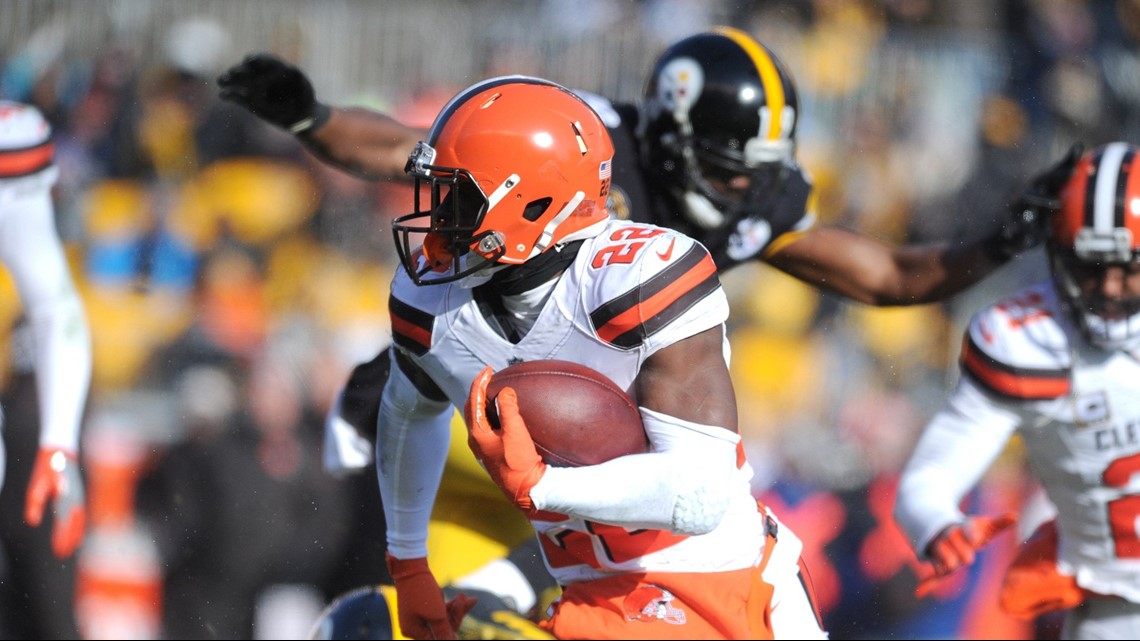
x: 547, y: 235
x: 481, y: 277
x: 517, y: 279
x: 701, y: 212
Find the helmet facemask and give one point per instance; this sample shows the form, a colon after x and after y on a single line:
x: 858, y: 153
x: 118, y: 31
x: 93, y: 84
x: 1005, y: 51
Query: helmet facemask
x: 453, y: 247
x: 709, y: 198
x: 1107, y: 322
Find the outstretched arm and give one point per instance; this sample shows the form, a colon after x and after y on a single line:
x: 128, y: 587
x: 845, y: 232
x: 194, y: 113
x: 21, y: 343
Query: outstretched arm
x: 364, y: 142
x: 874, y: 273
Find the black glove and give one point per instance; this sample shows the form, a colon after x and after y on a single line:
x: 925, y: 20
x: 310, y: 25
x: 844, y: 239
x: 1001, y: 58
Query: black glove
x: 1028, y: 214
x: 275, y: 91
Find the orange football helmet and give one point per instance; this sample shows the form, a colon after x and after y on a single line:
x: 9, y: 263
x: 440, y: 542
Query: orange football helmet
x: 514, y: 166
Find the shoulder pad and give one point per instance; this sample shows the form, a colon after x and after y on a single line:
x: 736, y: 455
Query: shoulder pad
x: 25, y: 140
x: 412, y: 311
x: 1017, y: 349
x: 21, y: 125
x: 653, y: 275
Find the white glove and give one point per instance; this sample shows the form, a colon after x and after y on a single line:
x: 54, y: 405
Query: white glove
x: 346, y: 451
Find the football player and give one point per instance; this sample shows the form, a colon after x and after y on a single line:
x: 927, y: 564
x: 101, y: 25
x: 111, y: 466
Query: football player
x: 1058, y: 362
x: 519, y: 261
x: 33, y: 253
x: 710, y: 152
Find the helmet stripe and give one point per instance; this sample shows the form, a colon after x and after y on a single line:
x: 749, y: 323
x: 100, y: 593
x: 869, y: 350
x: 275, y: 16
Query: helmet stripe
x: 1130, y: 198
x: 1088, y: 203
x: 769, y: 77
x: 1105, y: 213
x: 1122, y: 188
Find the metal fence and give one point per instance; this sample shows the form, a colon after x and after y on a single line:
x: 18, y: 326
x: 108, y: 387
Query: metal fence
x: 378, y: 48
x: 356, y: 47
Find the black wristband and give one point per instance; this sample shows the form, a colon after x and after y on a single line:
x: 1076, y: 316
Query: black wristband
x: 304, y: 127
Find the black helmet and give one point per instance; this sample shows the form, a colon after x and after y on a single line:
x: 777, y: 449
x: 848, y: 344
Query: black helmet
x: 362, y: 613
x: 718, y: 105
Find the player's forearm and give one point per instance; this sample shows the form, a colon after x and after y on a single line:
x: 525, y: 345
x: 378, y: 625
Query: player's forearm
x: 636, y: 491
x: 411, y: 448
x: 872, y: 272
x: 364, y: 142
x: 63, y: 369
x: 929, y: 273
x: 684, y: 485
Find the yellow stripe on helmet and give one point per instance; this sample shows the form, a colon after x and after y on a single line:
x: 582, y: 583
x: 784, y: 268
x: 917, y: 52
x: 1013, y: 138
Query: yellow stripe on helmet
x: 389, y: 592
x: 769, y: 76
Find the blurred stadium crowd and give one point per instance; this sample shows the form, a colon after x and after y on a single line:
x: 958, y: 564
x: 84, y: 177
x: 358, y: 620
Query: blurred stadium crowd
x: 231, y: 280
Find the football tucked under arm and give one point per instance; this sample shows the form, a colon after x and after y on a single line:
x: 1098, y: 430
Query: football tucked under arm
x: 574, y: 414
x: 682, y: 485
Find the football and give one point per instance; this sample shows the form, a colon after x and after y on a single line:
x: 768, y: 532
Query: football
x: 575, y: 414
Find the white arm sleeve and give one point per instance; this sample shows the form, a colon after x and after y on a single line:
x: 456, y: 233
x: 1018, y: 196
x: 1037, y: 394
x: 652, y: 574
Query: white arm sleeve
x: 954, y: 451
x: 413, y: 434
x: 31, y: 250
x: 683, y: 485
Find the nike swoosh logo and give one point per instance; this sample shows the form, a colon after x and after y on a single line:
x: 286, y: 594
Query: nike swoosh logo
x: 668, y: 253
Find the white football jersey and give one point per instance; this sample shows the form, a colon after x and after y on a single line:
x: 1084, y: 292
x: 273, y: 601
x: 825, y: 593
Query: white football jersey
x: 632, y: 289
x: 1025, y: 367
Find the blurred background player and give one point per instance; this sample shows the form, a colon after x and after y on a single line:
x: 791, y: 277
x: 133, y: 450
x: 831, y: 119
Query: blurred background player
x: 1058, y: 363
x: 710, y: 152
x: 43, y: 477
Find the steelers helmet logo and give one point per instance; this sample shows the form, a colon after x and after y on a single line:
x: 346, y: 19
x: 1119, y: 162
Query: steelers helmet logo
x: 679, y: 85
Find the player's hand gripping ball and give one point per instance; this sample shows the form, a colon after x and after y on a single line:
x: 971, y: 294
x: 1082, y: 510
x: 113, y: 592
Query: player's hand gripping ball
x: 575, y: 414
